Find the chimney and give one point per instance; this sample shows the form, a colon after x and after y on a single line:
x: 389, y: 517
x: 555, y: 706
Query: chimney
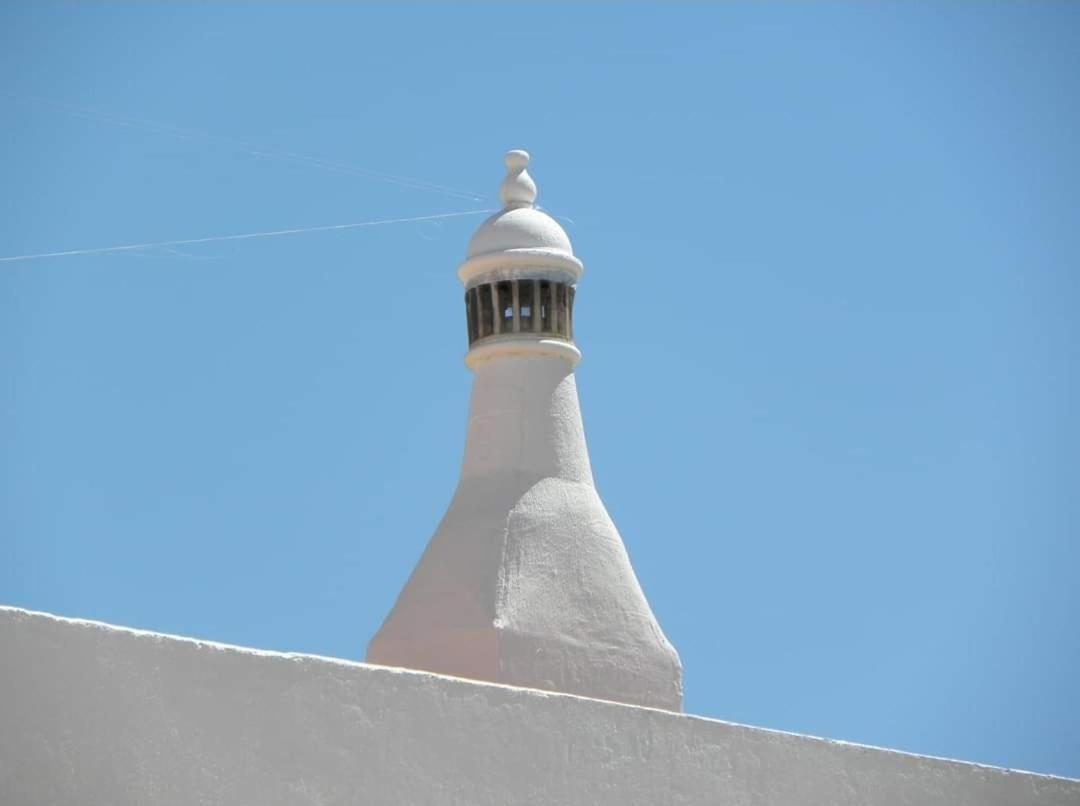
x: 526, y: 580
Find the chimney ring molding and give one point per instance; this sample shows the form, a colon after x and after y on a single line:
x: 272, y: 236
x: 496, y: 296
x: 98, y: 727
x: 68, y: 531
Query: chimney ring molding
x: 521, y: 264
x: 521, y: 345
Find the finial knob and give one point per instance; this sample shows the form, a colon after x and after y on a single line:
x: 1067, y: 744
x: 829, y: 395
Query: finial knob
x: 518, y: 188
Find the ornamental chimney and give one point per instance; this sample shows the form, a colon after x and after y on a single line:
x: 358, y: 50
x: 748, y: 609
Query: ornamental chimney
x: 526, y: 580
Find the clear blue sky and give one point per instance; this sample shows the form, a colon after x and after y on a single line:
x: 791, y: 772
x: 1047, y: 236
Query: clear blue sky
x: 829, y: 321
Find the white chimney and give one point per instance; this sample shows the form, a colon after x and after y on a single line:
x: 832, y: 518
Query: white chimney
x: 526, y: 580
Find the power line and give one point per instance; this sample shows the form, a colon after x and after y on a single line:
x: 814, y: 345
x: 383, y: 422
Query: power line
x: 256, y: 150
x: 242, y: 236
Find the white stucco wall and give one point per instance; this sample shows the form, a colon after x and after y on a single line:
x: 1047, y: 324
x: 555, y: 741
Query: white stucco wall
x: 93, y: 714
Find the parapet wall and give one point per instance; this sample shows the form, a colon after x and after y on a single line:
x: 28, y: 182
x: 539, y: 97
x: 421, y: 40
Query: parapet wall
x: 93, y: 714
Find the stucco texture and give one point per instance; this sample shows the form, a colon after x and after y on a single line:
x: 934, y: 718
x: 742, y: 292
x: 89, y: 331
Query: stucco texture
x: 526, y: 580
x: 92, y: 714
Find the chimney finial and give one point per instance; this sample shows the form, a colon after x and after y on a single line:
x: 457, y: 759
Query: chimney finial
x: 518, y: 188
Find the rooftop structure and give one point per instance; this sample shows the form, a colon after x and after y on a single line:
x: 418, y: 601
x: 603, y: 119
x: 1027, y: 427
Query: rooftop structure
x: 94, y: 714
x: 525, y: 588
x: 526, y: 580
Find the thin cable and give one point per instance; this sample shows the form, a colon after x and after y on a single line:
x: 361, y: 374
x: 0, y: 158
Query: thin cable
x: 255, y: 150
x: 242, y: 236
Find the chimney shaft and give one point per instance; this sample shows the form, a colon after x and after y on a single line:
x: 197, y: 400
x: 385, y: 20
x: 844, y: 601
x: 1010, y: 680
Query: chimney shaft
x: 526, y: 580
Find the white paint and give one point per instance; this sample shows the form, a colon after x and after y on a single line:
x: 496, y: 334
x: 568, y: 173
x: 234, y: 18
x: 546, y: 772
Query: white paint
x: 522, y: 346
x: 92, y: 714
x: 519, y: 240
x: 518, y: 188
x: 526, y: 580
x: 519, y: 228
x: 514, y: 264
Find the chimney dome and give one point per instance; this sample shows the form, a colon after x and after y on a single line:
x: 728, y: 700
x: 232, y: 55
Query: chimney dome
x: 520, y: 237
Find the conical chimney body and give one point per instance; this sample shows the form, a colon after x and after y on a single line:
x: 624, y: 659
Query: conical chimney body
x: 526, y: 580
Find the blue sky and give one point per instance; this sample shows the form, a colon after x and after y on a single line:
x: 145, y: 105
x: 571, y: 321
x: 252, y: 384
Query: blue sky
x: 828, y: 319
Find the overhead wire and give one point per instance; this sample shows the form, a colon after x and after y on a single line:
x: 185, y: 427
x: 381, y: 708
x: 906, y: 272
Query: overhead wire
x: 239, y: 237
x: 255, y: 149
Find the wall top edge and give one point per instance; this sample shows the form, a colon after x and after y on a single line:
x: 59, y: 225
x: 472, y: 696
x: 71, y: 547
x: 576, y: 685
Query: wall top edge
x: 14, y: 613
